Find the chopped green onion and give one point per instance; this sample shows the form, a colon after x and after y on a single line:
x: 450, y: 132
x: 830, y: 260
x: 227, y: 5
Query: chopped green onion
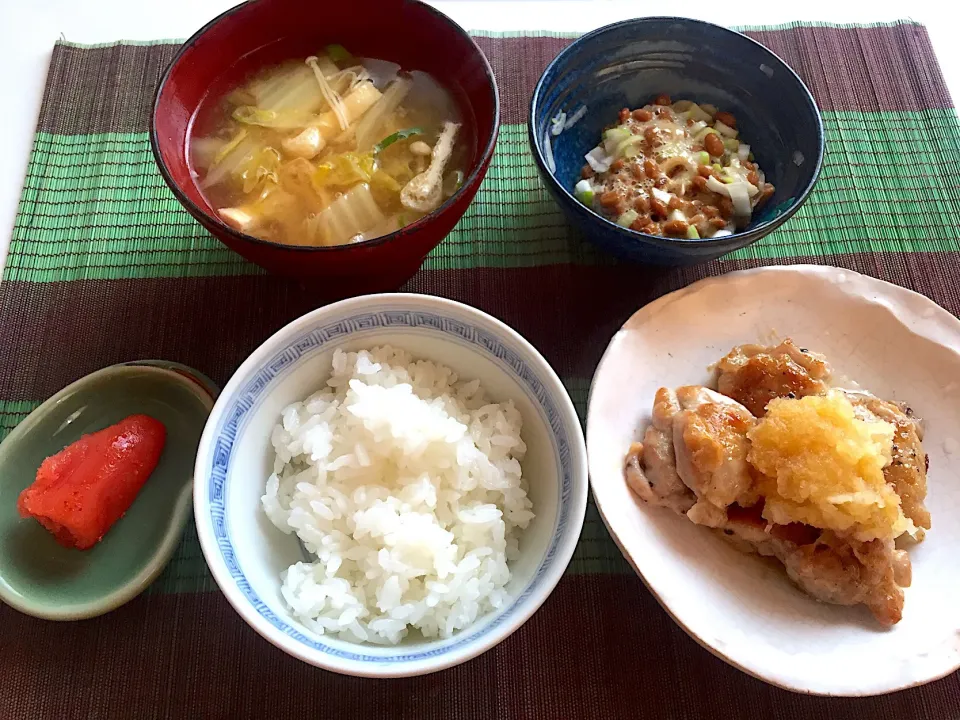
x: 692, y: 232
x: 629, y: 148
x: 340, y: 55
x: 729, y: 179
x: 628, y: 218
x: 725, y: 129
x: 229, y: 147
x: 583, y: 191
x: 699, y: 114
x: 452, y: 182
x: 398, y: 135
x: 703, y: 133
x: 718, y: 167
x: 619, y: 132
x: 703, y: 157
x: 660, y: 195
x: 613, y: 137
x: 250, y: 115
x: 750, y: 157
x: 731, y: 144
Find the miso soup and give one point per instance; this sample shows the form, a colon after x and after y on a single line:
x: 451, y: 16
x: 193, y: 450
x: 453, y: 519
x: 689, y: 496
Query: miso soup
x: 330, y: 150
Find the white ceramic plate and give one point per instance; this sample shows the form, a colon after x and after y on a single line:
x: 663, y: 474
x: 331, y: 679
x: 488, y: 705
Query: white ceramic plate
x: 894, y: 342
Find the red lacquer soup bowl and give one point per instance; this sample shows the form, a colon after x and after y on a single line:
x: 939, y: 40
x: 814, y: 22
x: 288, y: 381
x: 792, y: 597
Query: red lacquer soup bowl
x: 261, y: 33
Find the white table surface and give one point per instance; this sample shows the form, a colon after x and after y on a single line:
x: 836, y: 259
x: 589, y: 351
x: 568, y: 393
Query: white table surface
x: 29, y: 28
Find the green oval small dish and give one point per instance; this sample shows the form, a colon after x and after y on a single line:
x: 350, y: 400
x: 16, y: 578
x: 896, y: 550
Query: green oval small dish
x: 40, y: 577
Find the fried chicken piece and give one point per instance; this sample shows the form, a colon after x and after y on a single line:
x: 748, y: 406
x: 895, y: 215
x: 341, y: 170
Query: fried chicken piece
x: 753, y: 375
x: 650, y: 467
x: 847, y: 572
x: 710, y: 441
x: 907, y: 472
x: 694, y: 452
x: 693, y: 460
x: 830, y: 568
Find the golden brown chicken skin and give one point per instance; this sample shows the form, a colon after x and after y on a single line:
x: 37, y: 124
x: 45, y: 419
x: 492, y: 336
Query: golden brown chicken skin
x: 907, y: 472
x: 753, y: 375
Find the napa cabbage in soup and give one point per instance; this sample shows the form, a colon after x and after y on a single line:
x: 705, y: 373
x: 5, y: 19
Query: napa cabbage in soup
x: 329, y: 150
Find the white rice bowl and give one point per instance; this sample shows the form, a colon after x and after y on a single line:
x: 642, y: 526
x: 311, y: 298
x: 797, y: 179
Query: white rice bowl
x: 404, y: 485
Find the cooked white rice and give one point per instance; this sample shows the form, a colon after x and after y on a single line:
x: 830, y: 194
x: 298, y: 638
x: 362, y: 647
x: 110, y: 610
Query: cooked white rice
x: 404, y: 484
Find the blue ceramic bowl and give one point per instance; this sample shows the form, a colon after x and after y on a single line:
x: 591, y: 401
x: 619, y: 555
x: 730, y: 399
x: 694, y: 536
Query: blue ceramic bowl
x: 628, y: 64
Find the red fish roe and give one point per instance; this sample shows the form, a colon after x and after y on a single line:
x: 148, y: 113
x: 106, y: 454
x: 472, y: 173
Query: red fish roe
x: 80, y: 492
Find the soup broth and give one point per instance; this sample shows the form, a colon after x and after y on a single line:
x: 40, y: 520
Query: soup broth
x: 329, y: 150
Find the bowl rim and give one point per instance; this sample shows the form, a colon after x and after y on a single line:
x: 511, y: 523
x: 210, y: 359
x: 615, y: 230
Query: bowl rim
x: 563, y: 541
x: 472, y: 180
x: 204, y: 390
x: 706, y: 246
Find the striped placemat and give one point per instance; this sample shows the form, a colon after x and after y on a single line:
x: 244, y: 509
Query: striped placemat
x: 105, y: 266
